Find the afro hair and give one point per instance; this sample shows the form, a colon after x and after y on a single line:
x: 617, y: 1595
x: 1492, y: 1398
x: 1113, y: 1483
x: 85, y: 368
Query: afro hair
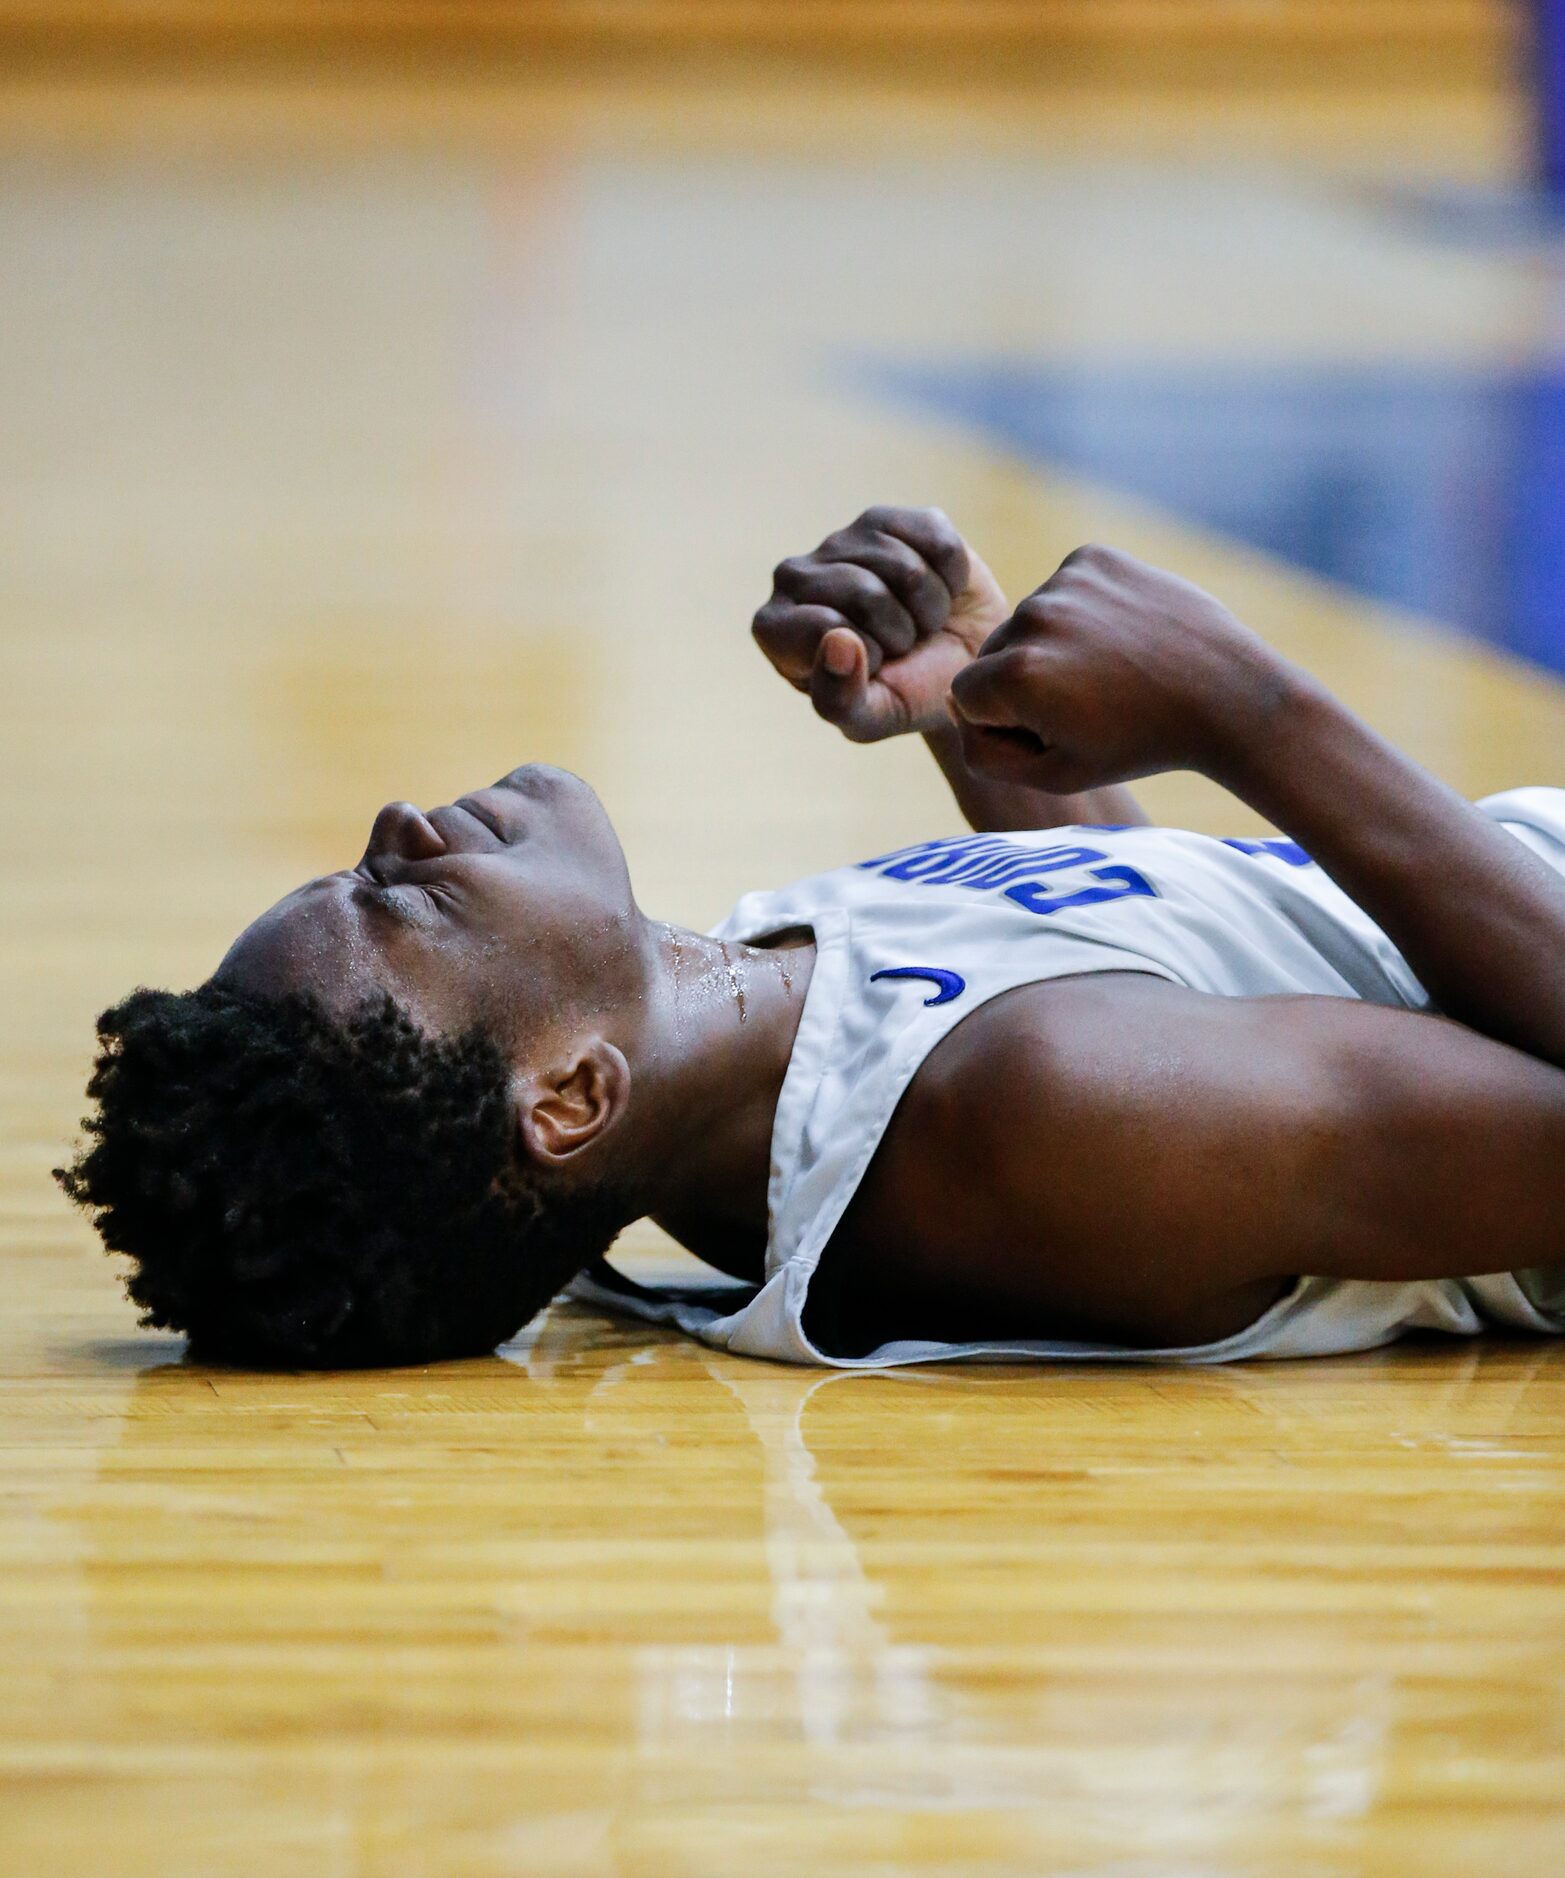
x: 302, y: 1192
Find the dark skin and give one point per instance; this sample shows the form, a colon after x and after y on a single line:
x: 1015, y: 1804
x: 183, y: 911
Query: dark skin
x: 511, y: 909
x: 1107, y: 1155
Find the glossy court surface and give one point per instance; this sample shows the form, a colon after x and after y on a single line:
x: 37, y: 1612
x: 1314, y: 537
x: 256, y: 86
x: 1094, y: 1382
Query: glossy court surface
x: 362, y: 444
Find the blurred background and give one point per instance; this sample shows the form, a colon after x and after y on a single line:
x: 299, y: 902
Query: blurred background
x: 396, y: 391
x: 392, y: 391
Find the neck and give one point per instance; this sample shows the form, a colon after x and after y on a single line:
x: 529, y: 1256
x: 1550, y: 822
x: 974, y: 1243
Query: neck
x: 721, y: 1023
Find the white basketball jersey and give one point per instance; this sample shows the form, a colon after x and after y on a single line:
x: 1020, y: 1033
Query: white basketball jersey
x: 910, y: 943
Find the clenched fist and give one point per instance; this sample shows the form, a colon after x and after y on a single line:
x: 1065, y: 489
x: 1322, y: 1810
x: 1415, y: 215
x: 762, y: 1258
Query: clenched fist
x: 1110, y: 671
x: 877, y: 622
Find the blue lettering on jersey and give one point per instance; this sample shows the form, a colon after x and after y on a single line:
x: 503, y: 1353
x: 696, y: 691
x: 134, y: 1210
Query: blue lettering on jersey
x: 992, y: 863
x: 1119, y: 883
x: 988, y: 862
x: 1280, y: 850
x: 951, y: 984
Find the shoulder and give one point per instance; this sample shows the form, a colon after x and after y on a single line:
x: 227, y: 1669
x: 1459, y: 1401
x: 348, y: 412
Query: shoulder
x: 985, y: 1144
x: 1042, y: 1176
x: 1015, y: 1058
x: 1038, y: 1040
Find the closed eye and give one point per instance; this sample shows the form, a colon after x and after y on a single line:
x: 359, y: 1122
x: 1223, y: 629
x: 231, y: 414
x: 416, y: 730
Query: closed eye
x: 407, y: 903
x: 420, y: 898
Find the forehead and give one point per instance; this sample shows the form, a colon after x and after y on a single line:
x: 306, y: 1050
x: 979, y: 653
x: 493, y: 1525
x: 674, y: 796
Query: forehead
x: 319, y: 939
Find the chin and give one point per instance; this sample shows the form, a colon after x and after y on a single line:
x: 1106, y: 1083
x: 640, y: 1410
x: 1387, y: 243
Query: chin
x: 541, y: 780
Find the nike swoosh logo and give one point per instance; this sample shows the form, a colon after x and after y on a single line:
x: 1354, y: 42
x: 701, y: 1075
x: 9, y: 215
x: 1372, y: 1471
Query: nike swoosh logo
x: 951, y: 984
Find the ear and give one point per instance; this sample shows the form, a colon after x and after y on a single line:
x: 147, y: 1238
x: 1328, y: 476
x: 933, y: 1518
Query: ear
x: 563, y: 1111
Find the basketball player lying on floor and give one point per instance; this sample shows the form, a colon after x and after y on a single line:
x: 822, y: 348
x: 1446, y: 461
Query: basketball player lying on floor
x: 1069, y: 1086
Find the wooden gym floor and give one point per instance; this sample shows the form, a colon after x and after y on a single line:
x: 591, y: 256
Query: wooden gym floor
x: 362, y: 443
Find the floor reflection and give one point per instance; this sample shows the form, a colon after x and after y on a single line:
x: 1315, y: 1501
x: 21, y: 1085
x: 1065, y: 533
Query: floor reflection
x: 1002, y: 1718
x: 836, y: 1673
x: 620, y: 1581
x: 338, y: 469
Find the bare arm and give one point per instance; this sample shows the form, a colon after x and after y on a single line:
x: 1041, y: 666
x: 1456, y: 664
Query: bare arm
x: 1159, y: 1162
x: 875, y: 623
x: 1113, y: 670
x: 1477, y: 915
x: 1244, y: 1138
x: 1166, y: 1161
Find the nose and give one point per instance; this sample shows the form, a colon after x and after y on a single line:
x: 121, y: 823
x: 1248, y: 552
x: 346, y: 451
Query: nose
x: 403, y: 833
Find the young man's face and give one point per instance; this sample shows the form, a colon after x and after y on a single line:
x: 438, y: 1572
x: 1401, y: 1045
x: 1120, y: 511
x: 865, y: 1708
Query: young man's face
x: 510, y: 908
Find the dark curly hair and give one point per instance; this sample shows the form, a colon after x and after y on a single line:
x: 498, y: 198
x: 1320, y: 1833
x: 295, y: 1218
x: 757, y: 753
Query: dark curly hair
x: 303, y: 1192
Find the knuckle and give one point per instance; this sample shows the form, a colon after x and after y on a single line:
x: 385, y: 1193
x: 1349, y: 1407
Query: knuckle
x: 998, y: 673
x: 901, y: 589
x: 934, y: 528
x: 974, y: 682
x: 1028, y: 664
x: 904, y: 574
x: 774, y: 612
x: 856, y: 584
x: 1055, y: 614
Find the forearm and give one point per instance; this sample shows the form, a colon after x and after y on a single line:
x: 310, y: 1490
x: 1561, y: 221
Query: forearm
x: 1479, y: 918
x: 998, y: 807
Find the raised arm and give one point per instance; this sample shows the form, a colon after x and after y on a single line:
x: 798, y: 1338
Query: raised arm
x: 1156, y: 1163
x: 1114, y: 670
x: 875, y: 623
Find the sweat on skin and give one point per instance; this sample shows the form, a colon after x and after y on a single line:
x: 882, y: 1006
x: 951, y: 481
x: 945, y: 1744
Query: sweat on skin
x: 1244, y: 1140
